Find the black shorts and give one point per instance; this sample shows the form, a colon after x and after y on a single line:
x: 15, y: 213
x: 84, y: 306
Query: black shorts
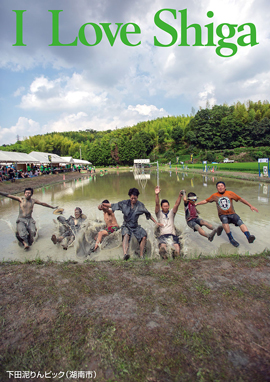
x: 231, y: 219
x: 163, y: 239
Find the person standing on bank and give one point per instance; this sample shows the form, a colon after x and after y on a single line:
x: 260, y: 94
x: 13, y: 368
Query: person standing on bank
x: 131, y: 210
x: 166, y: 218
x: 26, y: 225
x: 224, y: 200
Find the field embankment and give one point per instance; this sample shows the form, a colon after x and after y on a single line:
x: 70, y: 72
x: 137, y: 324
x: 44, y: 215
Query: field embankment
x: 196, y: 320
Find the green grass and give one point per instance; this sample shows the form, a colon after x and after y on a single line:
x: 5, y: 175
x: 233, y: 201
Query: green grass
x: 251, y: 167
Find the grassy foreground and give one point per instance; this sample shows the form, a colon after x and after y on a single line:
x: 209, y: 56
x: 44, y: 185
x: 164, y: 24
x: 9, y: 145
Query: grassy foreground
x: 182, y: 320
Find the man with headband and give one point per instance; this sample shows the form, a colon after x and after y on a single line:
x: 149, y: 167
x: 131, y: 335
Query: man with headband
x: 224, y: 201
x: 193, y: 220
x: 71, y: 227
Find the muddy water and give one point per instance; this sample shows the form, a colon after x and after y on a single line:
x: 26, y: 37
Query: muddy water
x: 88, y: 192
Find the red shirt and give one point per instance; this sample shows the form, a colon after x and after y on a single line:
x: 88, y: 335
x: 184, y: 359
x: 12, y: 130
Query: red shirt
x: 224, y: 202
x: 190, y: 211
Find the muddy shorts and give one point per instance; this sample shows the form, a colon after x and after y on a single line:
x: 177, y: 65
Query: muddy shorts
x: 26, y: 230
x: 138, y: 232
x: 163, y: 239
x: 231, y: 219
x: 195, y: 224
x: 111, y: 229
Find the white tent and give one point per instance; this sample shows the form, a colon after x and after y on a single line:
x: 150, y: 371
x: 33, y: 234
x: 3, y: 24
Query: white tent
x: 69, y: 159
x: 46, y: 158
x: 81, y: 161
x: 19, y: 158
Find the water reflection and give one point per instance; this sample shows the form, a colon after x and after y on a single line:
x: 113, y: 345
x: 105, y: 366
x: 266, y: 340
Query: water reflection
x: 89, y: 191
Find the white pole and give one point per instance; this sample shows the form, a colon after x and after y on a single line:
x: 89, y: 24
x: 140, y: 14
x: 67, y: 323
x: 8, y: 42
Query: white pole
x: 157, y: 175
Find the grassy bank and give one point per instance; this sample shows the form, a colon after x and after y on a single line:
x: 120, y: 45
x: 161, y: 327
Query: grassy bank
x: 251, y: 167
x: 182, y: 320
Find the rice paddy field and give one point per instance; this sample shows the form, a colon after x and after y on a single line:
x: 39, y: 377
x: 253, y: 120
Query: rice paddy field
x: 251, y: 167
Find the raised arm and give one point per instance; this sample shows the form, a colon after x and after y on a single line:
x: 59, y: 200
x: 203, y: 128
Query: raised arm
x: 11, y: 196
x: 102, y: 206
x: 157, y: 191
x: 45, y: 204
x: 248, y: 204
x: 108, y: 205
x: 184, y: 195
x: 177, y: 203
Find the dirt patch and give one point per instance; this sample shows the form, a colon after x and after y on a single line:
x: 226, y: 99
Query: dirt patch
x: 182, y: 320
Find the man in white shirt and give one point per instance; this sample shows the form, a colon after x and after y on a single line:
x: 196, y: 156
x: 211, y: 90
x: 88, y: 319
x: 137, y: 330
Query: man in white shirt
x: 166, y: 216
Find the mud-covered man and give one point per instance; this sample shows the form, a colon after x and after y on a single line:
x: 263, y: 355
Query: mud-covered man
x: 26, y: 225
x: 166, y: 217
x: 132, y: 209
x: 71, y: 226
x: 110, y: 221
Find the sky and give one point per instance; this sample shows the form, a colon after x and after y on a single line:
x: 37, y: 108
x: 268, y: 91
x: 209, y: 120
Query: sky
x: 47, y: 88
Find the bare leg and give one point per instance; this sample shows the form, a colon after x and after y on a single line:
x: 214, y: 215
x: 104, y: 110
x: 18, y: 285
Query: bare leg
x: 70, y: 240
x: 26, y: 245
x: 99, y: 238
x: 142, y: 245
x: 55, y: 240
x: 226, y: 228
x: 176, y: 250
x: 201, y: 232
x: 163, y: 251
x: 243, y: 228
x: 206, y: 224
x: 125, y: 245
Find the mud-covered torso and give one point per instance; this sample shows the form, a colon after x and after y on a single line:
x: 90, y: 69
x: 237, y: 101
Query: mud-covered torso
x: 26, y: 208
x: 110, y: 220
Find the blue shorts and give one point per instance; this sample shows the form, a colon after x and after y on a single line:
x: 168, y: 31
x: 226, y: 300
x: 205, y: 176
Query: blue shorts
x: 163, y: 239
x: 231, y: 219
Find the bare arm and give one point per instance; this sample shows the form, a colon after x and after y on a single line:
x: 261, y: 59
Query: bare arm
x: 248, y: 204
x: 184, y: 195
x: 11, y: 196
x: 157, y: 191
x: 101, y: 208
x: 177, y: 203
x: 45, y: 204
x: 202, y: 202
x: 108, y: 205
x: 153, y: 220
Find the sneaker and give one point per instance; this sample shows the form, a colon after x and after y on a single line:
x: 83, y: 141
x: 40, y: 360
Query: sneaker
x: 219, y: 230
x: 163, y: 253
x: 234, y: 243
x: 212, y: 235
x: 53, y: 239
x: 126, y: 257
x: 251, y: 238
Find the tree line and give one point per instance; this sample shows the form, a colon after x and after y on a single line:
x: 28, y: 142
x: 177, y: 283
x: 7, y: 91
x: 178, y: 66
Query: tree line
x: 221, y: 127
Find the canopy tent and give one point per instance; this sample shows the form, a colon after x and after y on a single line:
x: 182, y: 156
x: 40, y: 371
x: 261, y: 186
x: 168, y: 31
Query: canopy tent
x: 81, y: 161
x: 19, y: 158
x: 46, y: 158
x: 69, y: 159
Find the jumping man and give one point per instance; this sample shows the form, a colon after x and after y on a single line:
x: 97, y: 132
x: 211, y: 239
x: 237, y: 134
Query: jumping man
x: 26, y: 225
x: 224, y: 200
